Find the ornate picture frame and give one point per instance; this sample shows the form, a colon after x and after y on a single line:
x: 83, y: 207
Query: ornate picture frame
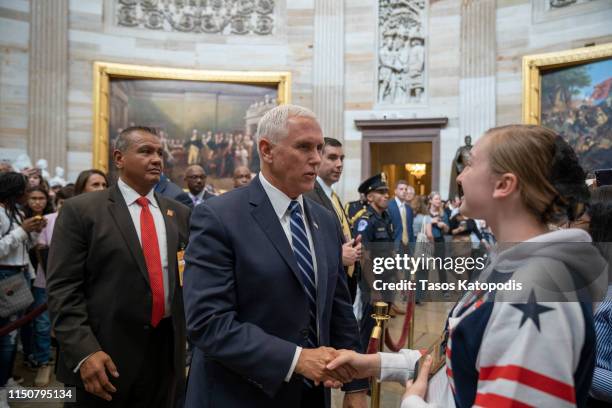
x: 105, y: 72
x: 579, y: 106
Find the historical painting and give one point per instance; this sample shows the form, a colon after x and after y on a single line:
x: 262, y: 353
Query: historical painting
x: 576, y: 102
x: 208, y: 123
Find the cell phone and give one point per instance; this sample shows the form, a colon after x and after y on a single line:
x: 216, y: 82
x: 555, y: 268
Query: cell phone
x: 603, y: 177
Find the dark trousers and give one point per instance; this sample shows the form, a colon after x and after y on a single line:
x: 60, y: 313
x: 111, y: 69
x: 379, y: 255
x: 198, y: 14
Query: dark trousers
x: 154, y: 383
x: 313, y: 397
x: 366, y: 326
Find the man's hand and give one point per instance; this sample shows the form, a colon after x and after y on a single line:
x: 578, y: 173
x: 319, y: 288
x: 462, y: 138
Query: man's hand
x: 93, y: 373
x: 355, y: 399
x: 349, y: 253
x: 419, y: 387
x: 360, y: 365
x: 357, y: 245
x: 312, y: 365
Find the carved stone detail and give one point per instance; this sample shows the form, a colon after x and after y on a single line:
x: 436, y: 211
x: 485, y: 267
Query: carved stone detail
x: 401, y: 51
x: 225, y: 17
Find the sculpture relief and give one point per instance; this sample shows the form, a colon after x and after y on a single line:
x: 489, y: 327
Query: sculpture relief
x: 401, y: 53
x: 224, y: 17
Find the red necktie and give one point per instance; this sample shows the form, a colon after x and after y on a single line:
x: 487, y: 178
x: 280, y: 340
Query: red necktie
x: 150, y: 250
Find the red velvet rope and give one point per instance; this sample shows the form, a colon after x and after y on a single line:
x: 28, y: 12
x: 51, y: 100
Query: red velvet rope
x: 393, y: 346
x: 34, y: 313
x: 373, y: 346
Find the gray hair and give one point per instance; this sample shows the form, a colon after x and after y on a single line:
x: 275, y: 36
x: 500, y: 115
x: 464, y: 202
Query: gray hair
x: 124, y: 140
x: 273, y: 125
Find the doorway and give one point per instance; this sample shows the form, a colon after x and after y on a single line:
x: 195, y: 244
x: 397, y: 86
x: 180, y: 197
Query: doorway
x: 403, y: 149
x: 409, y: 161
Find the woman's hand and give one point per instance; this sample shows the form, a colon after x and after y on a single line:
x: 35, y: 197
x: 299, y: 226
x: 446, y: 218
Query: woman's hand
x: 360, y: 365
x: 419, y: 387
x: 34, y: 224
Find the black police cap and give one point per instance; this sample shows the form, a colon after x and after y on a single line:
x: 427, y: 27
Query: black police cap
x: 377, y: 182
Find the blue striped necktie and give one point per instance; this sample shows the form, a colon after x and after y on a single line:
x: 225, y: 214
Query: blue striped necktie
x: 303, y: 256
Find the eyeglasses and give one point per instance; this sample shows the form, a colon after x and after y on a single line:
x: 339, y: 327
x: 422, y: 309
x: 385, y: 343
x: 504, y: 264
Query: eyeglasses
x: 37, y: 199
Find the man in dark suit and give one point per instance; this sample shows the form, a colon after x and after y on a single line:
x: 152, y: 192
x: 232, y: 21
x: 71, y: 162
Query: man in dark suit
x: 167, y: 188
x: 332, y: 164
x: 265, y: 290
x: 401, y: 216
x: 195, y: 177
x: 114, y: 288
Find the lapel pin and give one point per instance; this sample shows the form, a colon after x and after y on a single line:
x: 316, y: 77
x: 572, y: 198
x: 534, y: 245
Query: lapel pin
x: 170, y: 213
x: 315, y: 225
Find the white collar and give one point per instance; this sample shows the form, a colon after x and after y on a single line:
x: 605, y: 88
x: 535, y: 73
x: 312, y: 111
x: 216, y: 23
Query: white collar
x: 326, y: 189
x: 399, y: 202
x: 199, y: 196
x: 280, y: 201
x: 130, y: 195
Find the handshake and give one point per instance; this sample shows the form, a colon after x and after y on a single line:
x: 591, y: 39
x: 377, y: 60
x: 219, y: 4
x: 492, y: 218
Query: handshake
x: 333, y: 368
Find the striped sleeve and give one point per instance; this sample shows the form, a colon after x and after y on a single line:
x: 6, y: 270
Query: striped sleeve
x: 529, y: 354
x: 601, y: 388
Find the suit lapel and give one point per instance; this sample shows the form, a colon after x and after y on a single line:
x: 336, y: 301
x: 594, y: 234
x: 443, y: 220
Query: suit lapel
x: 320, y: 255
x: 263, y: 213
x: 324, y: 198
x: 123, y: 220
x: 171, y: 243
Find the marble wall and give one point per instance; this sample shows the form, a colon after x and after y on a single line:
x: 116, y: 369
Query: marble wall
x: 14, y: 60
x: 520, y: 29
x: 520, y: 33
x: 442, y: 77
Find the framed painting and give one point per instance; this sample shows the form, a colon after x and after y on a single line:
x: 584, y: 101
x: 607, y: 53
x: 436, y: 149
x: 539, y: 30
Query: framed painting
x: 208, y: 118
x: 571, y: 93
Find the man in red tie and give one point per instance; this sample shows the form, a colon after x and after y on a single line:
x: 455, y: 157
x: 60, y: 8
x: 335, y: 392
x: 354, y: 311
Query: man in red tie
x: 114, y: 285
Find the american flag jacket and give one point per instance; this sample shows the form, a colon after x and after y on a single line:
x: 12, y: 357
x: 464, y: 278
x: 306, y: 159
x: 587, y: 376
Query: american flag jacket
x: 534, y: 350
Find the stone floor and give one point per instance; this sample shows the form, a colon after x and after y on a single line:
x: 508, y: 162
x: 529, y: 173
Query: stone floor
x: 429, y: 322
x: 430, y: 318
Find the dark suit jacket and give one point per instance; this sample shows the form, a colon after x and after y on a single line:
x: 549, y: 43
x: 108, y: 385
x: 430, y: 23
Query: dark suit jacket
x: 167, y: 188
x: 98, y: 285
x: 245, y: 304
x: 396, y: 219
x: 317, y: 194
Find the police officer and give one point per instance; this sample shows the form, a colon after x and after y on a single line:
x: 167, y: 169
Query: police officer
x: 355, y: 209
x: 376, y: 230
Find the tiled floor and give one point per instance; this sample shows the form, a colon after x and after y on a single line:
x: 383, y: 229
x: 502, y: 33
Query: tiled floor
x: 430, y: 318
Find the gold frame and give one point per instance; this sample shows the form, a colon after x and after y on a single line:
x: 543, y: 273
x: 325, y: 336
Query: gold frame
x: 104, y: 71
x: 534, y: 65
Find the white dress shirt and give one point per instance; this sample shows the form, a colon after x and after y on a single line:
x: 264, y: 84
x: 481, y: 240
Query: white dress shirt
x: 197, y: 199
x: 326, y: 189
x: 280, y: 202
x: 130, y: 196
x: 400, y: 204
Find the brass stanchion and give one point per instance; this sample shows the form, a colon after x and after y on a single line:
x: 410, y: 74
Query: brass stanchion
x: 377, y: 338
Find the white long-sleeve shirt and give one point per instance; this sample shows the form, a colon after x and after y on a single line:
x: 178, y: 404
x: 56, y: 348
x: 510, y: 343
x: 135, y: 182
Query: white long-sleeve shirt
x: 14, y: 242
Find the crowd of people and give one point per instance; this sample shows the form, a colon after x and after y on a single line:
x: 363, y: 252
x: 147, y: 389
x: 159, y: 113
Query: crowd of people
x: 265, y: 291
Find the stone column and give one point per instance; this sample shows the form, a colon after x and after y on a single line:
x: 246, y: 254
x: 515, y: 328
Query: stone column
x: 48, y: 82
x: 477, y: 84
x: 328, y: 66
